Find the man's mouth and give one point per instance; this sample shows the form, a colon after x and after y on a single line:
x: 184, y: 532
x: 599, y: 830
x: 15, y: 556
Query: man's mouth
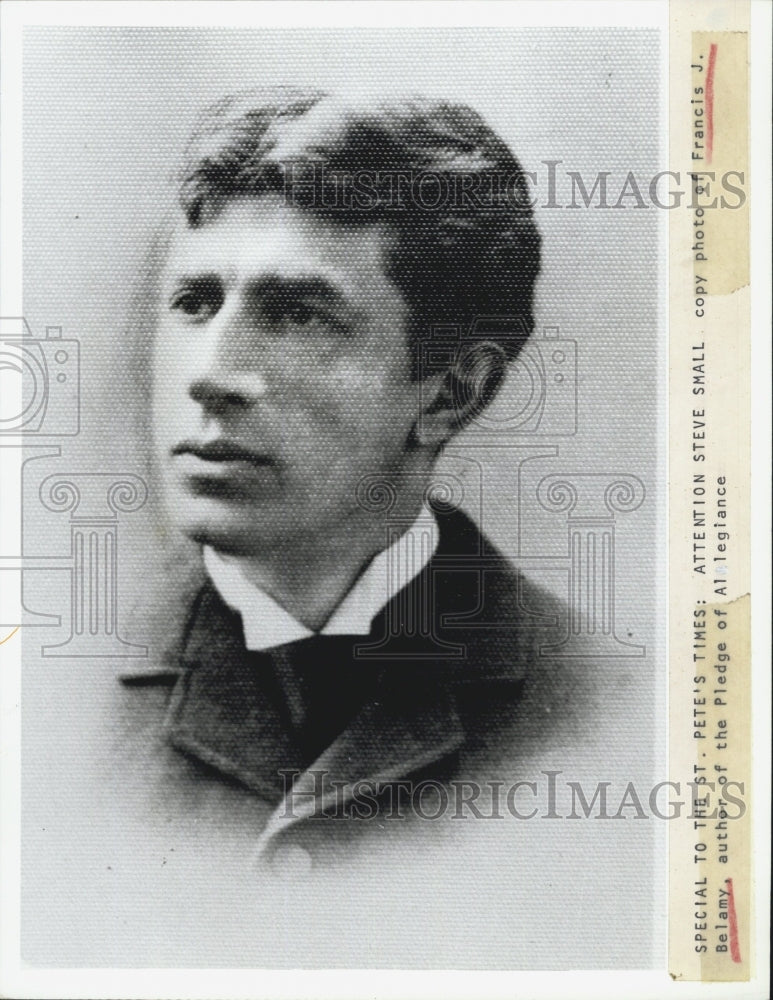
x: 224, y: 470
x: 222, y: 452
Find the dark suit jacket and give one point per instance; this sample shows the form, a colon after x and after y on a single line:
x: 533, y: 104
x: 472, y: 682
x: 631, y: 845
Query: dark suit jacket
x: 452, y: 685
x: 154, y: 827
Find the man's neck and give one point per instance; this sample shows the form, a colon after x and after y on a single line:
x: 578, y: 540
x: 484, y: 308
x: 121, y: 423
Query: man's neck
x: 310, y: 574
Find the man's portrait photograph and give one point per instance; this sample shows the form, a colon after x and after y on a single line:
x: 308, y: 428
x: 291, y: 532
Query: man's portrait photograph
x: 347, y: 645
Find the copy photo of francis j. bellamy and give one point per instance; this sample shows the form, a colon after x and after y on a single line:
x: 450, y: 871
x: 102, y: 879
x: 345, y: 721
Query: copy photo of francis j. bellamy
x: 339, y: 629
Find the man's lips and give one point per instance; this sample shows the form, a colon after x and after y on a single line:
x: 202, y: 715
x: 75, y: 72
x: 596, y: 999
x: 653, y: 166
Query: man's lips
x: 222, y: 452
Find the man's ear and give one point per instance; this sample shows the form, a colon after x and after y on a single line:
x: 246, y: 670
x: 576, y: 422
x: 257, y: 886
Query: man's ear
x: 452, y: 399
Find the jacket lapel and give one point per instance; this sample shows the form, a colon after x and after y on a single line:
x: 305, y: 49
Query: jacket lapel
x: 389, y: 739
x: 221, y: 709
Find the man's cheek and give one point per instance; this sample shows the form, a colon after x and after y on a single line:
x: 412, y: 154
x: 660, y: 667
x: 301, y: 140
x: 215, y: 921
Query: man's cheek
x: 335, y: 414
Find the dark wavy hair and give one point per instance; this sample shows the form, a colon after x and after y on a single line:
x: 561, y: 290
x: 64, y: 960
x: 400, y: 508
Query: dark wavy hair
x: 453, y: 192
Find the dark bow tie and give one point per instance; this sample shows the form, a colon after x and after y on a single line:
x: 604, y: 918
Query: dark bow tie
x: 320, y: 682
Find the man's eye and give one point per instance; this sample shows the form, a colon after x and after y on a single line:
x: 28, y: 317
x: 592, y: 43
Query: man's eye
x: 301, y: 314
x: 196, y: 303
x: 306, y: 317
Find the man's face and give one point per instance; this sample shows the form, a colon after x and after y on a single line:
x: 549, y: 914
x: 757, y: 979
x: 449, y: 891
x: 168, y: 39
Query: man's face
x: 281, y: 373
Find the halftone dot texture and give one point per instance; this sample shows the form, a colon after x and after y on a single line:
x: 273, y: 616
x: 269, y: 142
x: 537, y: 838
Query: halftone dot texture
x: 106, y: 116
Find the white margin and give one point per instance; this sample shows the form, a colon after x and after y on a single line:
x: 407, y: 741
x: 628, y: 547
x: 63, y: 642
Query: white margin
x: 19, y: 980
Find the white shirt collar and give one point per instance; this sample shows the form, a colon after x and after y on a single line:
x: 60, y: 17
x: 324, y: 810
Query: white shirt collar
x: 266, y: 623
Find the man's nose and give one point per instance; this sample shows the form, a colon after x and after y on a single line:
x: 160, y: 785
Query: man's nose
x: 228, y: 375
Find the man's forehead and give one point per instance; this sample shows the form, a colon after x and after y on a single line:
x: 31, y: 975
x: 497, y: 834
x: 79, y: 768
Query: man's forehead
x: 256, y: 234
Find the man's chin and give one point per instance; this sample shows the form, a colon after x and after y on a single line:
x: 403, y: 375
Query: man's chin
x: 228, y: 544
x: 231, y: 536
x: 239, y: 529
x: 224, y: 525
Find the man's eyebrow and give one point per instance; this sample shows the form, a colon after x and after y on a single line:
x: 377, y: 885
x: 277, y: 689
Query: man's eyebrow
x: 190, y: 278
x: 299, y: 287
x: 271, y: 285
